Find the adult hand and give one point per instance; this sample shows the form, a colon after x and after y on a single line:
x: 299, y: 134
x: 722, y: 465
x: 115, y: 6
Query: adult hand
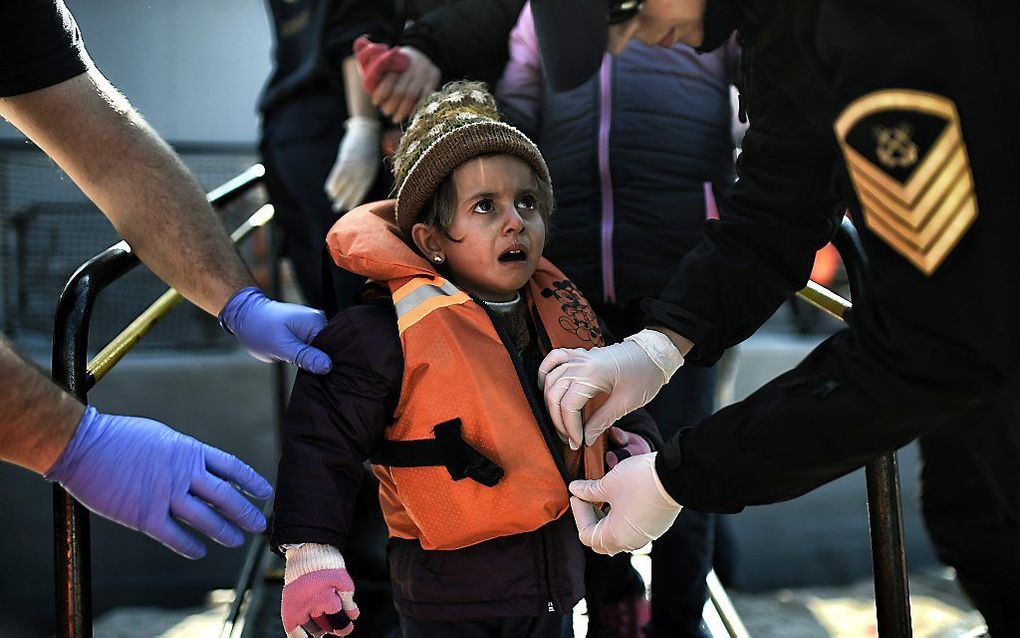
x: 631, y: 373
x: 376, y: 60
x: 640, y: 508
x: 146, y: 476
x: 357, y: 162
x: 623, y: 445
x: 318, y: 593
x: 275, y: 331
x: 398, y: 94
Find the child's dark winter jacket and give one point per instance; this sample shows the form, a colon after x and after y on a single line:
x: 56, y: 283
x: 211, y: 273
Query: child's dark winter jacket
x: 533, y: 563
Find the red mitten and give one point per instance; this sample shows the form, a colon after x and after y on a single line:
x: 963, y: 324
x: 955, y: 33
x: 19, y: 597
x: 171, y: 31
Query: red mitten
x: 376, y: 60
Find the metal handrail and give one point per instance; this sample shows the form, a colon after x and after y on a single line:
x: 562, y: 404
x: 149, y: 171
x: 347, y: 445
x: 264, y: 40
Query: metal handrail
x: 71, y: 543
x: 885, y: 512
x: 120, y: 345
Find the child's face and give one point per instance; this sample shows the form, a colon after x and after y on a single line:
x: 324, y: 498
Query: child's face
x: 497, y: 223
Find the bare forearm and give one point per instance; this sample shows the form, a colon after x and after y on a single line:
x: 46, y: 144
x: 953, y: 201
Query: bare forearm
x: 37, y: 418
x: 138, y: 182
x: 358, y: 100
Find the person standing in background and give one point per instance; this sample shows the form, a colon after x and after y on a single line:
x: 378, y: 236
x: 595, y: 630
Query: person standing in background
x: 636, y: 153
x: 321, y: 135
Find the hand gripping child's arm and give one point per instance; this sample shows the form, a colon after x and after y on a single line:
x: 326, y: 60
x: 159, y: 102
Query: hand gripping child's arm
x: 318, y: 593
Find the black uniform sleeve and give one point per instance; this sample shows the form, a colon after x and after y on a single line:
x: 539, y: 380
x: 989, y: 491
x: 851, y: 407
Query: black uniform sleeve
x: 466, y: 39
x: 40, y: 46
x: 333, y: 423
x: 781, y: 210
x: 348, y: 19
x: 921, y: 347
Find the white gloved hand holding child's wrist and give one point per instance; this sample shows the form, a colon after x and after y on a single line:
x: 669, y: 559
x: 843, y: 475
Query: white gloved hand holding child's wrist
x: 641, y: 509
x: 631, y: 373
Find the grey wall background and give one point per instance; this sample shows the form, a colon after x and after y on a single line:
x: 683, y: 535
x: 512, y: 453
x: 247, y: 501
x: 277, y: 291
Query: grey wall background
x: 193, y: 68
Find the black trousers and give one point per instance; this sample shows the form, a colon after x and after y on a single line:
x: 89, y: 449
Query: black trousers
x: 683, y: 556
x: 545, y: 626
x: 971, y: 502
x: 299, y: 145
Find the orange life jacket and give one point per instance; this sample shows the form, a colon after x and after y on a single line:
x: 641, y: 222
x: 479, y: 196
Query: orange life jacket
x: 470, y: 455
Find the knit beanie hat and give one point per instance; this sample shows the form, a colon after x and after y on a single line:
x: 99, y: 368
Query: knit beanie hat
x: 453, y: 125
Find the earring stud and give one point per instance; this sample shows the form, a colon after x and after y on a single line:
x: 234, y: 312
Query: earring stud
x: 437, y: 258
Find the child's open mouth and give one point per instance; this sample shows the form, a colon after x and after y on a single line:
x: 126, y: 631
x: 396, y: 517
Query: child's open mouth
x: 515, y: 253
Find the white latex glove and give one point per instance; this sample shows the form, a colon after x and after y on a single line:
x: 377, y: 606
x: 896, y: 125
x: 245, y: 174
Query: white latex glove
x: 398, y: 94
x: 357, y: 162
x: 640, y: 508
x: 631, y: 373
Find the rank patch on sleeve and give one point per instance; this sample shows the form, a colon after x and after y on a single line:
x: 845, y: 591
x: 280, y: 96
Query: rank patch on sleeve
x: 906, y: 157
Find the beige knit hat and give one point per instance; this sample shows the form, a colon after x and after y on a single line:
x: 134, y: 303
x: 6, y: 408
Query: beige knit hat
x: 453, y: 125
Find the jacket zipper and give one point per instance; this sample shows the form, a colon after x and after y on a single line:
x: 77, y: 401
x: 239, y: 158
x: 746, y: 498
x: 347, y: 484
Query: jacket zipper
x: 605, y: 178
x: 544, y: 427
x: 550, y: 607
x: 536, y: 408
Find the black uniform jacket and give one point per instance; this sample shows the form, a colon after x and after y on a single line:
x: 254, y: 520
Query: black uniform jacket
x: 312, y: 39
x: 335, y: 422
x: 905, y: 113
x: 465, y: 39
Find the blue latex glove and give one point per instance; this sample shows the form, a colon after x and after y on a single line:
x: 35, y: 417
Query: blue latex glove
x: 275, y: 331
x: 144, y: 475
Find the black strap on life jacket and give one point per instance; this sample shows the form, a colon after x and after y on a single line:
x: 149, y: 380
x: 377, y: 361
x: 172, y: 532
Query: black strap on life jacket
x: 448, y: 449
x: 329, y: 305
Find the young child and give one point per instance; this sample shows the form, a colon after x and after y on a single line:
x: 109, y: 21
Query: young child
x: 435, y: 381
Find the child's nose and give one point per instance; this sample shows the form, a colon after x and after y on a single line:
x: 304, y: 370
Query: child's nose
x: 514, y: 221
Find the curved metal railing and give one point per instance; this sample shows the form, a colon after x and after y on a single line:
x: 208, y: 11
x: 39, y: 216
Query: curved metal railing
x: 885, y: 512
x: 71, y: 543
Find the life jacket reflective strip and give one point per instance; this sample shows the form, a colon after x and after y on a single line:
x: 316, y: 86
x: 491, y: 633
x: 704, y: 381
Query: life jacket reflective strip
x: 487, y: 468
x: 420, y: 296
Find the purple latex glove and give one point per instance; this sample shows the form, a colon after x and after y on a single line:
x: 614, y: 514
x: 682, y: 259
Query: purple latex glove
x: 275, y: 331
x: 143, y: 475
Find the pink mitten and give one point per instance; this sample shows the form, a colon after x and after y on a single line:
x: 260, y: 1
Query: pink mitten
x: 623, y: 444
x: 376, y: 60
x: 318, y: 593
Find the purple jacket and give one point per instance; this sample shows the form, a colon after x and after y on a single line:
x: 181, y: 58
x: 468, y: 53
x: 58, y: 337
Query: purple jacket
x: 634, y: 153
x: 336, y: 421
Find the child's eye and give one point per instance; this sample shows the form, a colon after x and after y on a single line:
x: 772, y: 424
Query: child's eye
x: 527, y: 202
x: 484, y: 206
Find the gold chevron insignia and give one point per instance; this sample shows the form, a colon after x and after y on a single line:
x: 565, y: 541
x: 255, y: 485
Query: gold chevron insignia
x: 909, y: 166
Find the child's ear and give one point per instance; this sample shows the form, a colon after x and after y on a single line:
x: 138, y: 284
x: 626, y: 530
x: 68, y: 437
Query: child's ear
x: 427, y: 240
